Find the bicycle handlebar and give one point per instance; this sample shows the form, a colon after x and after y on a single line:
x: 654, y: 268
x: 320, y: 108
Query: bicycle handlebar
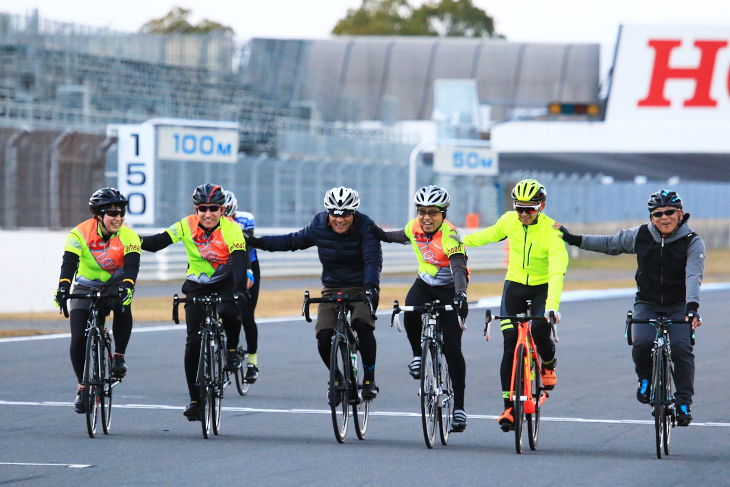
x: 656, y: 322
x: 94, y: 296
x: 425, y: 308
x: 488, y: 318
x: 338, y: 297
x: 208, y: 299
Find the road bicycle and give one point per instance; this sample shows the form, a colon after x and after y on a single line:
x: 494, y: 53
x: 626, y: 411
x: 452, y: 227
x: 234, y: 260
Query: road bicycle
x: 526, y: 390
x: 436, y: 392
x: 212, y: 377
x: 346, y: 369
x: 98, y: 380
x: 661, y: 395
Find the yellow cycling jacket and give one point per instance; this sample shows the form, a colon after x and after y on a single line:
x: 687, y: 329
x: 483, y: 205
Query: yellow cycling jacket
x: 537, y: 253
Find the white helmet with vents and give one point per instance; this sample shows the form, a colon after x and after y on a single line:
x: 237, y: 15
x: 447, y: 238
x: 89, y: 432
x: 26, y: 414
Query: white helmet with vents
x: 432, y: 196
x: 341, y: 199
x: 231, y: 204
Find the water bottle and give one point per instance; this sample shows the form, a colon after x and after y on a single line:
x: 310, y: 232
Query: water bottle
x: 353, y: 359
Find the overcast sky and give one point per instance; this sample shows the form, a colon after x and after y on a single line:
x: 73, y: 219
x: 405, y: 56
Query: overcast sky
x: 592, y: 21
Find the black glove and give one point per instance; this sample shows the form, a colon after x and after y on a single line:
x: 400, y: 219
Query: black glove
x: 692, y: 312
x: 128, y: 292
x: 60, y: 297
x: 571, y: 239
x: 460, y: 305
x: 239, y: 299
x: 378, y: 232
x: 374, y: 296
x: 255, y: 242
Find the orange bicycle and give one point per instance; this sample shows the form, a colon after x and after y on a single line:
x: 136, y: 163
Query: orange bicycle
x: 526, y: 390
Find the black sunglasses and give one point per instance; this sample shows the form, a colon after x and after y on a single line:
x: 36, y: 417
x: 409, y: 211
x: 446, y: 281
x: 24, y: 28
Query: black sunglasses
x: 211, y: 208
x: 526, y: 209
x: 659, y: 214
x: 114, y: 212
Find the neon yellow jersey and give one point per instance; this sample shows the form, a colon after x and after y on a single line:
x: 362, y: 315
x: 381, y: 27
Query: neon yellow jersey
x: 537, y: 253
x: 208, y: 255
x: 101, y: 262
x: 433, y: 252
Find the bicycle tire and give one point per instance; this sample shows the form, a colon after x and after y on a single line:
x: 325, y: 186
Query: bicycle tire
x: 446, y: 407
x: 204, y: 383
x: 533, y: 419
x: 91, y: 381
x: 658, y: 402
x: 217, y: 373
x: 429, y: 401
x: 519, y: 391
x: 108, y: 385
x: 241, y: 383
x: 669, y: 408
x: 360, y: 410
x: 339, y: 388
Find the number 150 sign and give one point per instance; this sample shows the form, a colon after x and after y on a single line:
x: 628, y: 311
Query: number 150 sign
x: 137, y: 171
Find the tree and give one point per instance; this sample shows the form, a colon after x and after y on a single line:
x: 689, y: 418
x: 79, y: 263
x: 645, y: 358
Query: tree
x: 453, y: 18
x: 176, y: 22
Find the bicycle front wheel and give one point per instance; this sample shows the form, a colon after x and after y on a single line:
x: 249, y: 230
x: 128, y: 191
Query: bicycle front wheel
x: 339, y: 390
x: 108, y: 383
x: 217, y: 373
x: 669, y: 414
x: 519, y: 394
x: 533, y: 419
x: 92, y: 372
x: 360, y: 410
x: 429, y: 400
x: 241, y: 384
x: 658, y: 399
x: 205, y: 382
x: 446, y: 403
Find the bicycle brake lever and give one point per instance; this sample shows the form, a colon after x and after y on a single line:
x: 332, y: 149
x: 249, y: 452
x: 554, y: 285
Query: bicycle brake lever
x: 462, y: 323
x: 175, y: 304
x: 305, y: 307
x: 555, y: 334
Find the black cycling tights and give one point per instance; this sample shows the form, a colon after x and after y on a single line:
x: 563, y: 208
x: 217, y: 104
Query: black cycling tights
x: 247, y: 311
x: 366, y: 339
x: 121, y: 328
x: 420, y: 294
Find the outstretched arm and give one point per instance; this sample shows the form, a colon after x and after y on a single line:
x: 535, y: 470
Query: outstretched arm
x: 622, y: 243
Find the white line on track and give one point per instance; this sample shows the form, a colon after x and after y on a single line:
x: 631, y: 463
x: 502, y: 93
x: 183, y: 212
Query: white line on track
x: 67, y: 465
x: 373, y: 413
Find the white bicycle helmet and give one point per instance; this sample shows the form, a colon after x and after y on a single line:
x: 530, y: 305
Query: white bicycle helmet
x: 342, y: 199
x: 432, y: 196
x: 231, y: 203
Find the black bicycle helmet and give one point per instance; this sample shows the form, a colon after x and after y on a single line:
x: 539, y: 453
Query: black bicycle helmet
x: 663, y: 198
x: 106, y: 197
x: 209, y: 194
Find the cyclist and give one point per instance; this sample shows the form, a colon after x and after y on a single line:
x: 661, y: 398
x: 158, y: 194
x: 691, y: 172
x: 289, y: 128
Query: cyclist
x: 217, y: 263
x: 443, y: 276
x: 103, y: 254
x: 538, y: 260
x: 246, y: 221
x: 671, y: 262
x: 351, y: 260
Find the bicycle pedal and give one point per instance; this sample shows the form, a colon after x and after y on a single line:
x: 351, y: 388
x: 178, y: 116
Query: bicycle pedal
x: 507, y: 427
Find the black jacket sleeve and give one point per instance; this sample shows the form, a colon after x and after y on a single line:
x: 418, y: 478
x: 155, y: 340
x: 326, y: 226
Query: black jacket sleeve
x: 153, y: 243
x: 69, y: 265
x: 240, y: 260
x: 131, y: 267
x: 303, y: 239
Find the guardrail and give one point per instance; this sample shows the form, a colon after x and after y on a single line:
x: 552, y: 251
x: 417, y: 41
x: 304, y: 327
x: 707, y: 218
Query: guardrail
x: 171, y: 263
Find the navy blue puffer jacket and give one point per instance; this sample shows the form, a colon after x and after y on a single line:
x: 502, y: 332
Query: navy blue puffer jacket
x: 353, y: 258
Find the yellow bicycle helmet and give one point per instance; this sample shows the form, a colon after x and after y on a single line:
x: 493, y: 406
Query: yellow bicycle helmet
x: 529, y: 190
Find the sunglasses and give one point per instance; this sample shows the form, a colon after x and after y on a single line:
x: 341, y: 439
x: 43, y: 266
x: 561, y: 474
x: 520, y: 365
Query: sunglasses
x: 525, y: 209
x: 211, y: 208
x: 659, y: 214
x: 341, y: 213
x: 428, y: 212
x: 113, y: 212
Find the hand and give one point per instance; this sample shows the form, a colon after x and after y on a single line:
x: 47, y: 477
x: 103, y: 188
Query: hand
x: 694, y: 318
x: 569, y: 238
x: 127, y: 295
x: 374, y: 298
x: 255, y: 242
x: 239, y: 299
x: 459, y: 235
x: 460, y: 305
x: 556, y: 313
x: 251, y: 279
x: 60, y: 298
x: 378, y: 232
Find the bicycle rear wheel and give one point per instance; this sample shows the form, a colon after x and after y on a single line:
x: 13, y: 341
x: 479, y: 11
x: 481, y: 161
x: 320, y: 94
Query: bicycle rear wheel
x: 217, y: 373
x: 205, y: 379
x: 429, y: 401
x: 360, y: 410
x: 520, y: 392
x: 108, y: 384
x: 241, y: 384
x: 670, y: 413
x: 339, y: 390
x: 446, y: 403
x: 658, y: 402
x: 92, y: 369
x: 533, y: 419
